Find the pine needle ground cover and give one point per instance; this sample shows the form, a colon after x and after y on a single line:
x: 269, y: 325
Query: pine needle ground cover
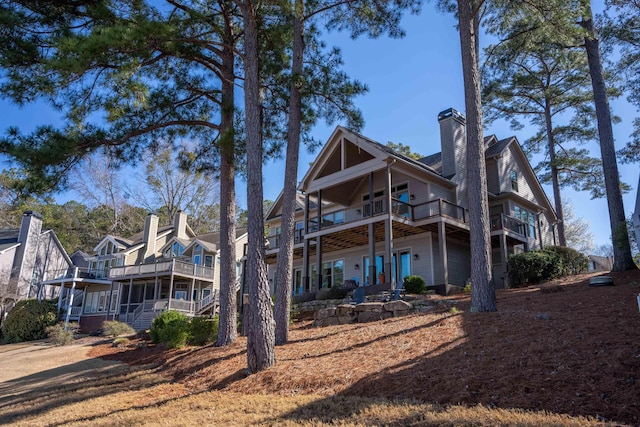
x: 562, y: 353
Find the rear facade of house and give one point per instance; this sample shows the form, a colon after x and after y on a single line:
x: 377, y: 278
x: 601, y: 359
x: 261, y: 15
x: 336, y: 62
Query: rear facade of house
x: 370, y: 215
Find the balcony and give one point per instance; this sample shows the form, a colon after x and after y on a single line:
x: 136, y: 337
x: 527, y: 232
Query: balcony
x: 508, y: 223
x: 162, y: 268
x: 423, y: 211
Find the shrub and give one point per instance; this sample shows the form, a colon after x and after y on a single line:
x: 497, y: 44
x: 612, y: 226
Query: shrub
x: 203, y: 330
x: 533, y: 267
x: 334, y: 292
x: 573, y: 262
x: 120, y: 342
x: 28, y: 321
x: 58, y: 335
x: 170, y: 328
x: 415, y: 285
x: 113, y: 328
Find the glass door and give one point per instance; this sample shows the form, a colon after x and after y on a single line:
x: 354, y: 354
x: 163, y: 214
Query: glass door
x: 403, y: 268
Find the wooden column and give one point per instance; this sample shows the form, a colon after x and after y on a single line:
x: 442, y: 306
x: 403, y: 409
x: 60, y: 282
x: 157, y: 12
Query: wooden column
x: 70, y: 299
x: 442, y: 241
x: 305, y: 246
x: 319, y: 242
x: 390, y: 276
x: 372, y: 238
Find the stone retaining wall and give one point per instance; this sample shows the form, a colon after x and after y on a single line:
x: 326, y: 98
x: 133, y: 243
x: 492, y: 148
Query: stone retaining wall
x: 340, y: 314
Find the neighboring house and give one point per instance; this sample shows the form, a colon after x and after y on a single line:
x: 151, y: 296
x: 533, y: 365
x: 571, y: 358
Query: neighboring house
x: 369, y: 214
x: 636, y: 220
x: 28, y: 256
x: 134, y: 279
x: 600, y: 263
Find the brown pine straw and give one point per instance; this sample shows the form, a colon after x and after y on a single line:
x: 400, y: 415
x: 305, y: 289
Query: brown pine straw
x: 562, y: 347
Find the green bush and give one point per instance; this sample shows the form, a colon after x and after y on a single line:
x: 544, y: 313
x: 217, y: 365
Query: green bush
x: 170, y: 328
x: 113, y: 328
x: 414, y: 285
x: 533, y: 267
x: 573, y: 262
x: 28, y: 320
x: 203, y: 330
x: 58, y: 335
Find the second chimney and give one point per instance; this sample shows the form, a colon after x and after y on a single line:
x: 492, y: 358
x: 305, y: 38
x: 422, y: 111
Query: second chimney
x: 453, y: 141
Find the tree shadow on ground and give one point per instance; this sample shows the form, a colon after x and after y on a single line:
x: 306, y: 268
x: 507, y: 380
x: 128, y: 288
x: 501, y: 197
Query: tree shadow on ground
x: 560, y: 354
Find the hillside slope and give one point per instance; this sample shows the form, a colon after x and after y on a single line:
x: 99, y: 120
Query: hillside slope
x: 563, y: 347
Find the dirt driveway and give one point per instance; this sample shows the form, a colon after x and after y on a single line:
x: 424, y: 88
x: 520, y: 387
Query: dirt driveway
x: 41, y: 361
x: 37, y: 378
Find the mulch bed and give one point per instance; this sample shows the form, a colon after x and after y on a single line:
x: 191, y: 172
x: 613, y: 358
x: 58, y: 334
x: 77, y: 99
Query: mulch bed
x: 563, y: 347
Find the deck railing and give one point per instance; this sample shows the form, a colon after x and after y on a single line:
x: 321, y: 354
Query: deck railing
x: 509, y: 223
x: 169, y: 266
x: 399, y: 208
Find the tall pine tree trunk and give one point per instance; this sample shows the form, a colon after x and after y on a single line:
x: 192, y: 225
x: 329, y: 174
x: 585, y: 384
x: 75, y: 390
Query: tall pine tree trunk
x: 260, y: 323
x: 228, y: 330
x: 621, y: 248
x: 555, y: 182
x: 284, y: 265
x: 482, y: 289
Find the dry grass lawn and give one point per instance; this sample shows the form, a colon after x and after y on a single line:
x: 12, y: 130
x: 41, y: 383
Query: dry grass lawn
x: 562, y: 353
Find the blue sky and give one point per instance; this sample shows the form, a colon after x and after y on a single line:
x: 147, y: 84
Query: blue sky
x: 410, y: 81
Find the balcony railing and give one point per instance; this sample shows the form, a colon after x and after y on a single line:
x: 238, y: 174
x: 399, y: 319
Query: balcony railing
x: 433, y: 208
x: 162, y: 267
x: 508, y: 223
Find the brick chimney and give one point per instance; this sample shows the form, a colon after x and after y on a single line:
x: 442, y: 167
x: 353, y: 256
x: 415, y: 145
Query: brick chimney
x: 453, y: 142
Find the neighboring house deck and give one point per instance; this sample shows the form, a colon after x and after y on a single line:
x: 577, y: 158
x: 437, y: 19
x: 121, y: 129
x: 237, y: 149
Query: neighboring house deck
x: 135, y: 279
x: 369, y: 214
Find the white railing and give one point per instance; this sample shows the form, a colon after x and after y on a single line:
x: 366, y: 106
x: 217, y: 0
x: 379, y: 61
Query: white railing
x: 180, y: 305
x: 206, y: 301
x: 174, y: 265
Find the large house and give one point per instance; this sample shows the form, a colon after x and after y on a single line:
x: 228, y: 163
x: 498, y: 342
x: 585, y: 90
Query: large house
x: 369, y: 214
x: 134, y: 279
x: 28, y: 255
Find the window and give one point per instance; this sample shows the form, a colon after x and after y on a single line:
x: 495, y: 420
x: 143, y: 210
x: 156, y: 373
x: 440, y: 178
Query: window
x: 332, y: 273
x: 97, y: 302
x: 208, y: 260
x: 378, y: 204
x: 181, y: 295
x: 514, y: 181
x: 174, y: 251
x: 401, y: 203
x: 528, y: 218
x: 333, y: 219
x: 297, y: 281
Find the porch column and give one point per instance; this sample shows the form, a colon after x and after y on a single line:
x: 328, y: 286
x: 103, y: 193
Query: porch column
x: 319, y: 242
x: 390, y: 276
x: 505, y: 256
x: 193, y: 286
x: 70, y: 302
x: 442, y: 242
x: 129, y: 298
x: 108, y: 300
x: 156, y: 291
x: 371, y: 279
x: 62, y: 291
x: 170, y: 289
x: 305, y: 246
